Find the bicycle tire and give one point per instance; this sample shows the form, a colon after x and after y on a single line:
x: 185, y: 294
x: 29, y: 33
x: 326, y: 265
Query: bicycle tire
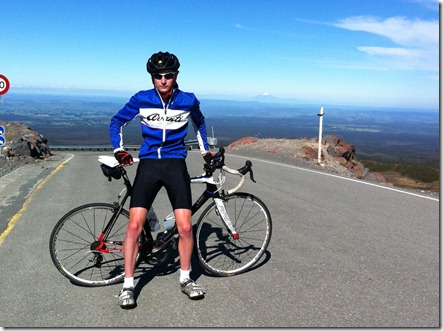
x: 217, y: 251
x: 71, y: 251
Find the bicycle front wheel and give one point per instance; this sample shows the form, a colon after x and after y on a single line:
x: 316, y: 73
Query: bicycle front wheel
x: 77, y: 249
x: 218, y: 252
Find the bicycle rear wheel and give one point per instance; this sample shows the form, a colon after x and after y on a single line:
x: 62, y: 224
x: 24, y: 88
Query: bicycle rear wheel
x: 74, y: 245
x: 217, y: 251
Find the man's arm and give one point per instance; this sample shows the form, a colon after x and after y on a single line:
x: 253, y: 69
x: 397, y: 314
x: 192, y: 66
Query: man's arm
x: 121, y: 119
x: 199, y: 123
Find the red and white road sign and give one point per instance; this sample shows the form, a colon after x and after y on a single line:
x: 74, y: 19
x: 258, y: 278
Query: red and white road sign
x: 4, y: 84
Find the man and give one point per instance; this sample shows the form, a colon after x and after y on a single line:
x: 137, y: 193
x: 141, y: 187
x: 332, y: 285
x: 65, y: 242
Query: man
x: 164, y: 112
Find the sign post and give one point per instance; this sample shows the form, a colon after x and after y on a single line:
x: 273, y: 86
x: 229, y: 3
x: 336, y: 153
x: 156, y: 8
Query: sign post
x: 2, y: 138
x: 4, y: 87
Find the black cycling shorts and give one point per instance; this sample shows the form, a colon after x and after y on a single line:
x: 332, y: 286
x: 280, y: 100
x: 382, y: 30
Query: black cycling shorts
x: 153, y: 174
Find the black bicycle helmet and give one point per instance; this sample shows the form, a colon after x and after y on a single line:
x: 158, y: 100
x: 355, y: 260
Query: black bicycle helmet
x: 162, y: 61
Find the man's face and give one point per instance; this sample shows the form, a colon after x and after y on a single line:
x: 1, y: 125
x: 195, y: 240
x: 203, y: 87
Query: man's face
x: 165, y: 81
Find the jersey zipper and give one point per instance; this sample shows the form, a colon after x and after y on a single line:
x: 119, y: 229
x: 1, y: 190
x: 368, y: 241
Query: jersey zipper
x: 165, y: 107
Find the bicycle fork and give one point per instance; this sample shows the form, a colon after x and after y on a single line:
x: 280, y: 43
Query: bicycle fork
x: 225, y: 217
x: 212, y: 192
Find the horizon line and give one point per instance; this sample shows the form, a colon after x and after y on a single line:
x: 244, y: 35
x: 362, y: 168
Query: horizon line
x: 264, y: 98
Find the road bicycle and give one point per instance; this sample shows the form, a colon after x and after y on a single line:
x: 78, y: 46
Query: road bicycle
x: 231, y: 234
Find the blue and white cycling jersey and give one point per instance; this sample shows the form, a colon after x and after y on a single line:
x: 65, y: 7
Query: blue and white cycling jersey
x: 164, y: 126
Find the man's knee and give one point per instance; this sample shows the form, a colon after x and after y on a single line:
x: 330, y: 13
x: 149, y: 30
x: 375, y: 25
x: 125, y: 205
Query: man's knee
x: 136, y: 220
x: 134, y: 228
x: 185, y: 229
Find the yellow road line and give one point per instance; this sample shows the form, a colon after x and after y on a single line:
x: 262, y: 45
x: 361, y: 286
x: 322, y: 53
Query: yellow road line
x: 19, y: 214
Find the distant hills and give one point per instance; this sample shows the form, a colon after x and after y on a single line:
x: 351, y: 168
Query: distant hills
x: 268, y: 98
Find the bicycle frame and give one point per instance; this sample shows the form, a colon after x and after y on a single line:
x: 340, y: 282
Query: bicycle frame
x: 118, y: 206
x: 211, y: 191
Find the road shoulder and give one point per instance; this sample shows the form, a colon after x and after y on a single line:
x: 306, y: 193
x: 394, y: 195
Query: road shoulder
x: 17, y: 185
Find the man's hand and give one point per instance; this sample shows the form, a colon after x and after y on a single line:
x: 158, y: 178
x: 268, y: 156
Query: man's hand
x: 208, y: 157
x: 124, y: 158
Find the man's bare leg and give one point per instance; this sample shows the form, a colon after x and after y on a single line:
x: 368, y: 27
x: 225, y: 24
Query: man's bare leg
x: 137, y: 217
x: 185, y: 247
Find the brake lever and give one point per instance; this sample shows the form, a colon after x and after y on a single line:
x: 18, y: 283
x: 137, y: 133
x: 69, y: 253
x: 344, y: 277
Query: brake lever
x: 247, y: 168
x: 251, y: 174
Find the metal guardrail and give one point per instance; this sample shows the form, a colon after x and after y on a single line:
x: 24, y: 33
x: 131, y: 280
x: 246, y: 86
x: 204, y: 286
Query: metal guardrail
x: 89, y: 148
x: 190, y: 143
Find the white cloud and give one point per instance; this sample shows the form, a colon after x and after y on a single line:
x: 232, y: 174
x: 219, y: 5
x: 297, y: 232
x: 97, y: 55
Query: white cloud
x: 402, y: 52
x: 419, y: 40
x: 399, y: 29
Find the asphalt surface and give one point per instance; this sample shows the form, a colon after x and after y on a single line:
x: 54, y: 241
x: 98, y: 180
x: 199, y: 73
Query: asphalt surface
x: 343, y: 253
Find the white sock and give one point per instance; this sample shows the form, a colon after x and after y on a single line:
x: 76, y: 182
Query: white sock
x: 184, y: 274
x: 128, y: 282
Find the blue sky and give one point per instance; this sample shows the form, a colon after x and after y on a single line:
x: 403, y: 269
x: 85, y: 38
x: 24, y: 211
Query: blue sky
x: 371, y: 52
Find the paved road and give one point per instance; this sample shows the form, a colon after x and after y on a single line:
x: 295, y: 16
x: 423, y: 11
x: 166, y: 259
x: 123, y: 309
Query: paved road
x: 343, y: 254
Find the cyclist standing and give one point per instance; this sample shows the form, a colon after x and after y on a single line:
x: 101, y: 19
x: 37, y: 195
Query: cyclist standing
x: 164, y: 112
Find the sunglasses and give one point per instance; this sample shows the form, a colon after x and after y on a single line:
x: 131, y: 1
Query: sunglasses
x: 168, y: 75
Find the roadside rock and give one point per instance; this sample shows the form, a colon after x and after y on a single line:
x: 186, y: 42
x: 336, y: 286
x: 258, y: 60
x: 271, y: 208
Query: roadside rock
x: 336, y: 155
x: 243, y: 141
x: 23, y: 145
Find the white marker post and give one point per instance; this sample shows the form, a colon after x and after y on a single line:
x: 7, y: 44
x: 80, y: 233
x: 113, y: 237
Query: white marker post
x: 320, y: 129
